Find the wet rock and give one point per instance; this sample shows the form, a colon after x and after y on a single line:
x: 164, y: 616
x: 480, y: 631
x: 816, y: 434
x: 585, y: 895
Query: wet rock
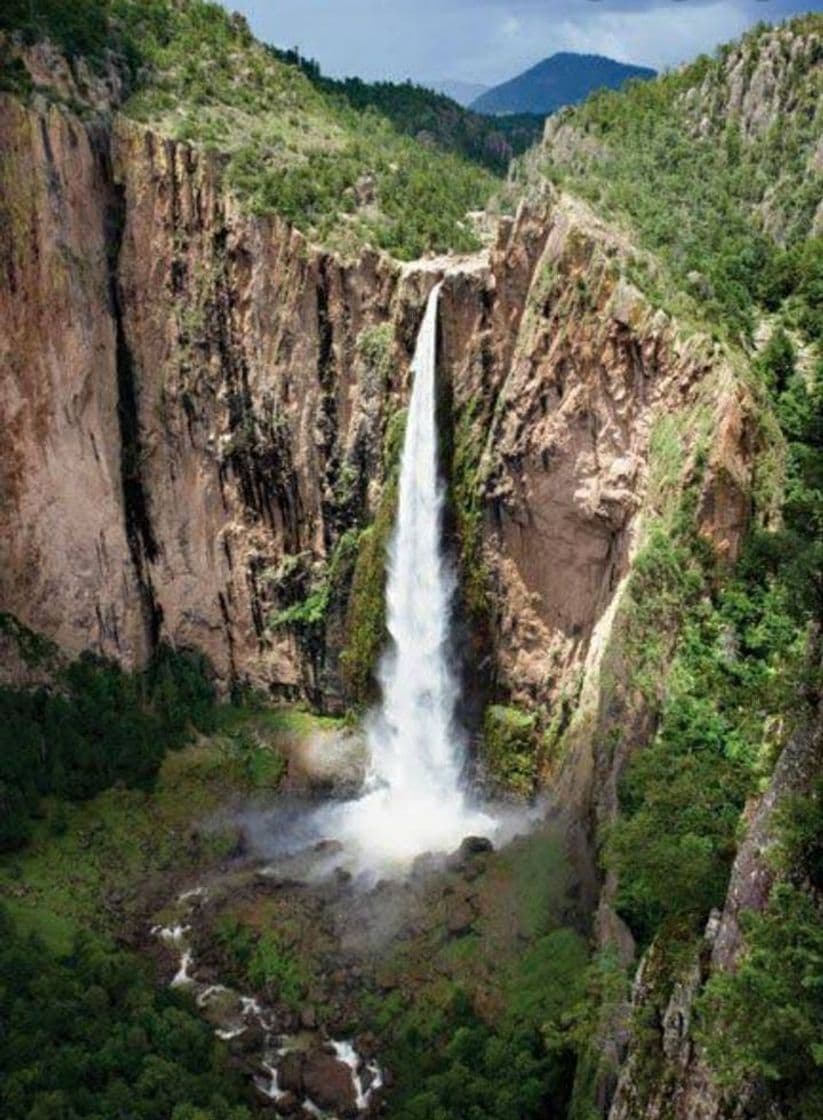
x: 468, y: 854
x: 473, y: 870
x: 252, y: 1040
x: 308, y: 1018
x: 290, y: 1072
x: 366, y: 1044
x: 459, y: 919
x: 329, y: 1084
x: 287, y: 1105
x: 425, y: 864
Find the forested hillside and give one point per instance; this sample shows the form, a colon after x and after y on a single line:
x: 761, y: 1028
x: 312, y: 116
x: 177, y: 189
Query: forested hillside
x: 432, y: 117
x: 338, y: 159
x: 716, y: 167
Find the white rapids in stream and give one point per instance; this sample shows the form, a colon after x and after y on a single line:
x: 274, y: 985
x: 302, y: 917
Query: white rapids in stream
x: 413, y: 801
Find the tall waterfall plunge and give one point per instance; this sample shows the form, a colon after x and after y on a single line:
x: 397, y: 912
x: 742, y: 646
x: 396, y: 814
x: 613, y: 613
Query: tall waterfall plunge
x: 413, y: 801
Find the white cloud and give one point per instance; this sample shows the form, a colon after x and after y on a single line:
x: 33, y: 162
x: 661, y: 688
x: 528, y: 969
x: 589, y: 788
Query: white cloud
x: 659, y: 37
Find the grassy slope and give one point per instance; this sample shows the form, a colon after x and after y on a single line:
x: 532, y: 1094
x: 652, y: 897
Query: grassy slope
x: 295, y: 146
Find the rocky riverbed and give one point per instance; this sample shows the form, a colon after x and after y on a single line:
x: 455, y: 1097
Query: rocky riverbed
x: 294, y: 959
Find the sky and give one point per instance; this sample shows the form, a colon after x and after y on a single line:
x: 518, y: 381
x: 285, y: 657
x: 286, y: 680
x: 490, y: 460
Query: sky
x: 489, y: 41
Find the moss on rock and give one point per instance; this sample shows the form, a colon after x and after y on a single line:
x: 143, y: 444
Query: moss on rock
x: 366, y: 615
x: 509, y: 748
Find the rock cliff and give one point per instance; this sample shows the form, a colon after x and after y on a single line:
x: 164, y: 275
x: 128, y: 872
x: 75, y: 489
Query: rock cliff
x: 196, y: 403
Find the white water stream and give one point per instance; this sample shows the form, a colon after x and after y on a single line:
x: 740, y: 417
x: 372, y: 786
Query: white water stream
x: 413, y: 801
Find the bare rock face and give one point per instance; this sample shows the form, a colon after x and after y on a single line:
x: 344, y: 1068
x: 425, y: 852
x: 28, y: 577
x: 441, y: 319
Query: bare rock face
x: 568, y: 370
x: 66, y: 568
x: 253, y: 402
x: 197, y: 402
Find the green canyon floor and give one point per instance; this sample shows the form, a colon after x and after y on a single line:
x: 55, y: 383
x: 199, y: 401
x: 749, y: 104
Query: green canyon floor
x: 401, y: 965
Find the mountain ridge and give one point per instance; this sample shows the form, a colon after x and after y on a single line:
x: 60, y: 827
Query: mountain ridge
x: 564, y: 78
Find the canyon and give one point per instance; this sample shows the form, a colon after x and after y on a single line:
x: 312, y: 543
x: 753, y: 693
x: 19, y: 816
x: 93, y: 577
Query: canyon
x: 203, y: 411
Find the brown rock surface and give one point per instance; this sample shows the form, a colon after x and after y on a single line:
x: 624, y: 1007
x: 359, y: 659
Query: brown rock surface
x: 193, y: 423
x: 329, y: 1084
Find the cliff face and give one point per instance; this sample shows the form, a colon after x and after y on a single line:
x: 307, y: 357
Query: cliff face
x: 197, y: 400
x: 66, y: 569
x: 181, y: 391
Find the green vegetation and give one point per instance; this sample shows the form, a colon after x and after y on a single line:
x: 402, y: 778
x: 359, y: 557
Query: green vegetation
x: 374, y: 346
x: 475, y: 1026
x: 434, y: 119
x: 509, y: 752
x: 722, y: 658
x: 734, y: 673
x: 366, y: 614
x: 100, y: 726
x: 79, y: 28
x: 764, y: 1021
x: 731, y: 693
x: 729, y: 213
x: 262, y: 960
x: 451, y: 1064
x: 86, y: 864
x: 468, y: 505
x: 261, y: 763
x: 86, y: 1034
x: 307, y: 615
x: 33, y: 649
x: 366, y: 618
x: 334, y: 158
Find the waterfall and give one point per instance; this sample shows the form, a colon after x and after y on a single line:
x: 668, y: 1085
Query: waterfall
x: 413, y: 800
x: 414, y: 744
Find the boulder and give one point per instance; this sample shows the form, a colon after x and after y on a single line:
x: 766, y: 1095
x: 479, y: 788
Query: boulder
x: 329, y: 1084
x: 290, y: 1072
x: 287, y: 1105
x: 459, y: 918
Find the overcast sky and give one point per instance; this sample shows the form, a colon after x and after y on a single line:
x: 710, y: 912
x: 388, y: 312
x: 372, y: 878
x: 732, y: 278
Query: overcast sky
x: 489, y: 41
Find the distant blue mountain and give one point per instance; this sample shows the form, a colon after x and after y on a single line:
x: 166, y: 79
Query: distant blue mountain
x: 461, y: 92
x: 563, y: 79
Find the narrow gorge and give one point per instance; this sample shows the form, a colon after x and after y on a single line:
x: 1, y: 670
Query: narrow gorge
x: 410, y: 649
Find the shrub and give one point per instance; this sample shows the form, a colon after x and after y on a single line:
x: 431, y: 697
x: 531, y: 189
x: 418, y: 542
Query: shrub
x: 763, y: 1021
x: 510, y: 748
